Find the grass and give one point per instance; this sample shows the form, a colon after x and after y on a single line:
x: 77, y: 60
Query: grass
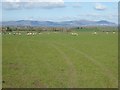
x: 60, y: 60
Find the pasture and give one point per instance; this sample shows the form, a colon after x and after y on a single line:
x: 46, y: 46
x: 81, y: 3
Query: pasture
x: 60, y: 60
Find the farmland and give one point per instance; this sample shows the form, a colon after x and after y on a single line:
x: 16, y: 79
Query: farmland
x: 59, y: 59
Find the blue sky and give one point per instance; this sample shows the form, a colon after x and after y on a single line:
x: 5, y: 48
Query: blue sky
x: 59, y: 11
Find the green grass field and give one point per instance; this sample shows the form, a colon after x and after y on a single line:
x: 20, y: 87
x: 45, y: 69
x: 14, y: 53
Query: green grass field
x: 60, y: 60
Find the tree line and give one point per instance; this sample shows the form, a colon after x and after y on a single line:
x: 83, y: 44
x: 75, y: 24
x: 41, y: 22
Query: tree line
x: 38, y: 29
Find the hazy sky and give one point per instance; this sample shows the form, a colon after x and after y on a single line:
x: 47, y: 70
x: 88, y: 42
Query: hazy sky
x: 59, y: 11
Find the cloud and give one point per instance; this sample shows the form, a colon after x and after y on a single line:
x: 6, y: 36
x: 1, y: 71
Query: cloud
x: 11, y: 1
x: 92, y: 0
x: 100, y: 6
x: 45, y: 5
x: 96, y: 15
x: 32, y: 1
x: 30, y: 4
x: 11, y: 5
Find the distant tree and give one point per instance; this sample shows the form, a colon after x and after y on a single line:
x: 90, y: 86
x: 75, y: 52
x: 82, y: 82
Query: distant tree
x: 78, y: 28
x: 9, y: 29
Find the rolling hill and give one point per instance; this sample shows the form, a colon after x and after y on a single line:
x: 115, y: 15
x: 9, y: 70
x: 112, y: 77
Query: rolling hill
x: 58, y: 24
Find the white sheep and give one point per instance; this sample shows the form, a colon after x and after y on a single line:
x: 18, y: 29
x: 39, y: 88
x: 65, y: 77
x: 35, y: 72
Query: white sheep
x: 113, y: 32
x: 14, y: 33
x: 33, y: 34
x: 74, y: 34
x: 106, y: 32
x: 19, y: 33
x: 94, y: 33
x: 9, y: 33
x: 29, y: 33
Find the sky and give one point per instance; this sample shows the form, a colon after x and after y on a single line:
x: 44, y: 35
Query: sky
x: 58, y: 10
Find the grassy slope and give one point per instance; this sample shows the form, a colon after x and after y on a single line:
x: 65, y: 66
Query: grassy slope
x: 60, y: 60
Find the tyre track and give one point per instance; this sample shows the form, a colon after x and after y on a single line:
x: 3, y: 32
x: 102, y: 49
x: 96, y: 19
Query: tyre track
x: 103, y: 68
x: 72, y: 82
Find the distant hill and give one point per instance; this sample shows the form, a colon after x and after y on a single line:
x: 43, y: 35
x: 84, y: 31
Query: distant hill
x: 58, y: 24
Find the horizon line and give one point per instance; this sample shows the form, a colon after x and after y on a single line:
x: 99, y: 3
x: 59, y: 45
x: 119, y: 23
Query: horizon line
x: 57, y: 21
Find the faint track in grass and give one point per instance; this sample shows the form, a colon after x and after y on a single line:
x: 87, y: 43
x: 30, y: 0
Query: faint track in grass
x: 36, y: 83
x: 72, y: 82
x: 103, y: 68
